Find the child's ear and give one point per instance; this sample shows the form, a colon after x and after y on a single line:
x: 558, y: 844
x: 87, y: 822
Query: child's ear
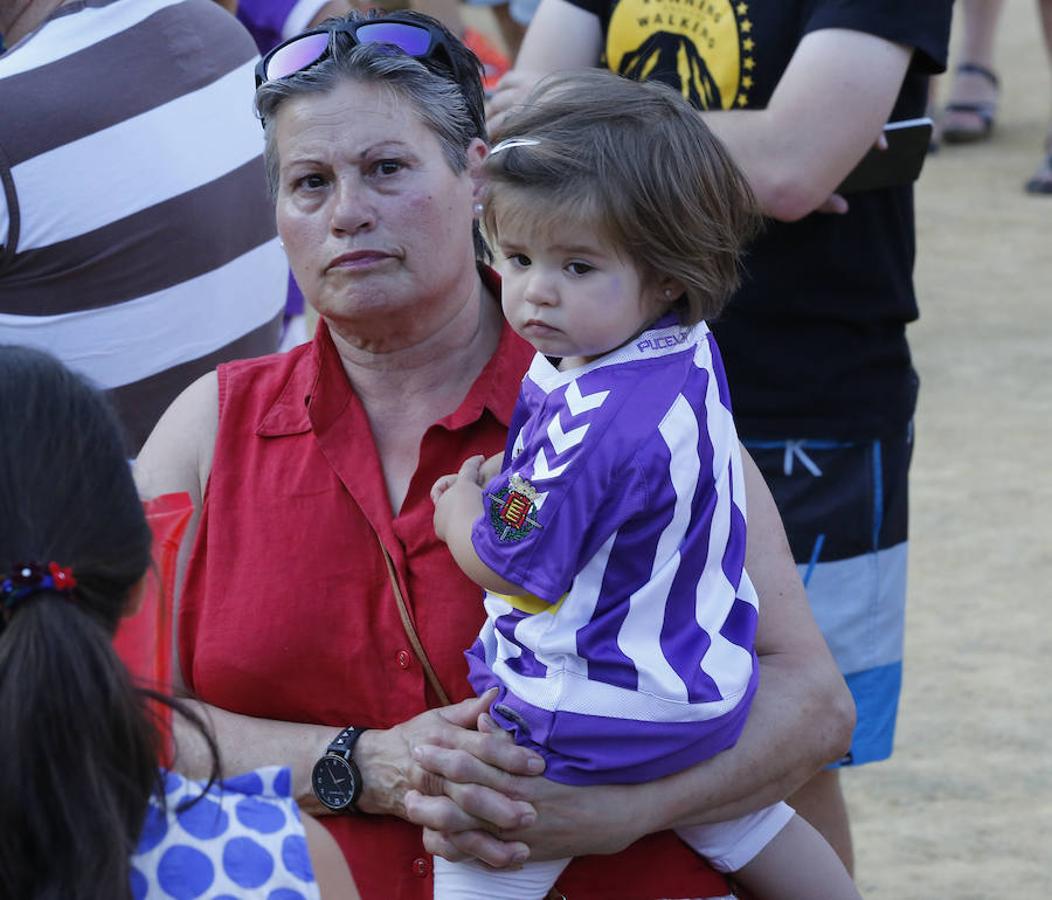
x: 670, y: 289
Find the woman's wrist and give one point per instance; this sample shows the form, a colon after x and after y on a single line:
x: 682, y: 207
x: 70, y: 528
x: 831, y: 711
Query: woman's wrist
x: 384, y: 782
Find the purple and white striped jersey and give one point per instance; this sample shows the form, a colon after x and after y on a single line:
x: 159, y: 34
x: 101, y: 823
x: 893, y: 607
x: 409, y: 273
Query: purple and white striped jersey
x: 621, y: 508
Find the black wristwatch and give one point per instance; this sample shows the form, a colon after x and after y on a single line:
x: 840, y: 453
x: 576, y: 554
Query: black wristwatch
x: 336, y: 780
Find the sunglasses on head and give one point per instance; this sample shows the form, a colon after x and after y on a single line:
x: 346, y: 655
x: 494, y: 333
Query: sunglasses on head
x: 413, y: 38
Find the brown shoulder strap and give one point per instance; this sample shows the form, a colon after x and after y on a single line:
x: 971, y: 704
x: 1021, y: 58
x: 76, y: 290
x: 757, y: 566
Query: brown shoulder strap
x: 410, y: 630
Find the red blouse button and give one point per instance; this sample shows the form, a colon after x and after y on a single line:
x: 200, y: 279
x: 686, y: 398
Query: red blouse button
x: 403, y: 659
x: 421, y: 867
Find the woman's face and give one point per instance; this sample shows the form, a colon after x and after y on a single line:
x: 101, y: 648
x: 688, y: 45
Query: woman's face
x: 376, y: 225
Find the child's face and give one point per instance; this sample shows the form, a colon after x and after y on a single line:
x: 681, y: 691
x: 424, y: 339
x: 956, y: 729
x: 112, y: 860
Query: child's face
x: 570, y: 294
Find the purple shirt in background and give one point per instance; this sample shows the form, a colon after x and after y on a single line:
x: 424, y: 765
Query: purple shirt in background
x: 272, y: 21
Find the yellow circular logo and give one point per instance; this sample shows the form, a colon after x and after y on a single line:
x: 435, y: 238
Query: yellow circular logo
x: 701, y: 47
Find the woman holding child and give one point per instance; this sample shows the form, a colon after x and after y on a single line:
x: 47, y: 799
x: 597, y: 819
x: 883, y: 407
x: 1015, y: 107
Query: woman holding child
x: 311, y: 474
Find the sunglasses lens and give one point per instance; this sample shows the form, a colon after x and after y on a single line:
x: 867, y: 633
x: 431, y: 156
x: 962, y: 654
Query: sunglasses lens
x: 410, y: 39
x: 297, y: 55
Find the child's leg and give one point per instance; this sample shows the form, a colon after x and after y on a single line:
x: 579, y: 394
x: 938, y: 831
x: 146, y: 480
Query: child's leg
x: 775, y: 855
x: 473, y: 880
x: 798, y: 864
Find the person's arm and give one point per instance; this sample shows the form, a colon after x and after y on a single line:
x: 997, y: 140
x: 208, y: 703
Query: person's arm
x: 561, y: 36
x: 827, y: 111
x: 178, y: 457
x: 802, y: 717
x: 330, y: 867
x: 458, y: 503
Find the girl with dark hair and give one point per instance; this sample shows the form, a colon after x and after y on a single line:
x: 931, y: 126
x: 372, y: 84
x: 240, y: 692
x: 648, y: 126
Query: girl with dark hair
x: 84, y: 810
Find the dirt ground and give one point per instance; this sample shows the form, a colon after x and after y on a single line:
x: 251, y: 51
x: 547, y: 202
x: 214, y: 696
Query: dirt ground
x: 964, y: 807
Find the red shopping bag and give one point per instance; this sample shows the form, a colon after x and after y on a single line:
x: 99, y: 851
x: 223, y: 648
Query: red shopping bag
x: 144, y: 640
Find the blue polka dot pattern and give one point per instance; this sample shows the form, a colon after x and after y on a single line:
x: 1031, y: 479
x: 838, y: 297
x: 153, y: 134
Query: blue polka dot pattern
x: 154, y: 829
x: 185, y: 872
x: 139, y: 884
x: 204, y: 819
x: 296, y: 857
x: 243, y: 839
x: 283, y: 782
x: 247, y: 863
x: 248, y: 783
x: 259, y: 816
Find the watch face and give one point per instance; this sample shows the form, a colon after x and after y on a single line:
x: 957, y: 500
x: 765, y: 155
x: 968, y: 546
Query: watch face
x: 334, y: 782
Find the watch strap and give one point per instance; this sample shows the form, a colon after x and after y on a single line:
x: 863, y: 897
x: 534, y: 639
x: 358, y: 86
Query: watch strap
x: 343, y: 744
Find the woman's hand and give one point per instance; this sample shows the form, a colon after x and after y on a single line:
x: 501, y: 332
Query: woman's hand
x: 454, y: 802
x: 387, y: 760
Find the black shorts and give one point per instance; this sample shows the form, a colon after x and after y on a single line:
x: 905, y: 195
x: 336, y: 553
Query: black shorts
x: 845, y: 510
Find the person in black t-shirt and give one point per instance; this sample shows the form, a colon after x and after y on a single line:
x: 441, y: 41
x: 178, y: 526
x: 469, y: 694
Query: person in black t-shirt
x: 815, y: 341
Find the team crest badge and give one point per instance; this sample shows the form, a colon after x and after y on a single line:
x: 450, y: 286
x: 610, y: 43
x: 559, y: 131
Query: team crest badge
x: 513, y: 509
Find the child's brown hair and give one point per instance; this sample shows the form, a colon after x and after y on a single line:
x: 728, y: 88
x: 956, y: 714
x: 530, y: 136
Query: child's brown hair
x: 636, y: 162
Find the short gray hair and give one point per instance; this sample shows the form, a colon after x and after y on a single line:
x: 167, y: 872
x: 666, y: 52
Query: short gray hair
x: 438, y: 101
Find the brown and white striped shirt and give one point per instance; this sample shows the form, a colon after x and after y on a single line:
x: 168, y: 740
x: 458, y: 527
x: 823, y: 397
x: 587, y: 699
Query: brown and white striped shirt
x: 137, y: 241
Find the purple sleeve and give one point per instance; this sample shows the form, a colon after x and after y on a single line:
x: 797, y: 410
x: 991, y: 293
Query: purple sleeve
x: 539, y: 532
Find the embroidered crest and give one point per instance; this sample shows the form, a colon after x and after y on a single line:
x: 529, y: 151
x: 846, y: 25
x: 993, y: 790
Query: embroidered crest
x: 513, y: 509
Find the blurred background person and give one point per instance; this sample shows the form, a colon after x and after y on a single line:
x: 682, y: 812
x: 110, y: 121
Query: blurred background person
x: 272, y: 21
x: 137, y: 241
x: 512, y: 18
x: 970, y: 113
x: 971, y: 110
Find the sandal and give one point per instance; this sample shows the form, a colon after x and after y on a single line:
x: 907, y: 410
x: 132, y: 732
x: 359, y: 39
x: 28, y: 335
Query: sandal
x: 1041, y: 182
x: 982, y: 112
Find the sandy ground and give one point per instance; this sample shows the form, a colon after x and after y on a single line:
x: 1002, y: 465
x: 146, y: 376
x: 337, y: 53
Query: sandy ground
x: 964, y: 807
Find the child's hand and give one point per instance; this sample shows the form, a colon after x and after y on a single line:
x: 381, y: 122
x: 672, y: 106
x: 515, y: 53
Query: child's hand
x: 441, y: 486
x: 457, y: 496
x: 491, y: 468
x: 472, y: 469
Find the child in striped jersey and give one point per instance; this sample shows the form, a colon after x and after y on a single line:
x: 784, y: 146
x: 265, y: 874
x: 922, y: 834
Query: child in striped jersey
x: 611, y: 545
